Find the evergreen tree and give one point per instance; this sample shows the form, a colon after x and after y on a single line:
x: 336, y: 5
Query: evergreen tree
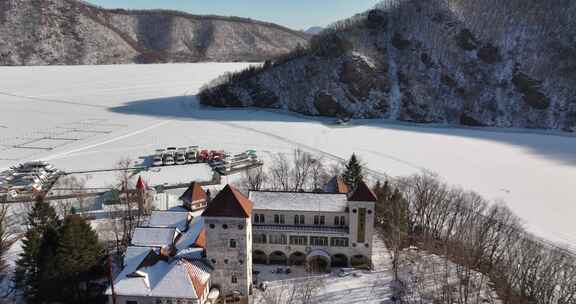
x: 49, y: 284
x: 6, y: 240
x: 353, y: 174
x: 33, y: 261
x: 78, y: 256
x: 42, y: 216
x: 26, y: 276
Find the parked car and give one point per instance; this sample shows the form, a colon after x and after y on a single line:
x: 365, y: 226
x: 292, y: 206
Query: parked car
x: 157, y: 162
x: 169, y: 160
x: 192, y: 154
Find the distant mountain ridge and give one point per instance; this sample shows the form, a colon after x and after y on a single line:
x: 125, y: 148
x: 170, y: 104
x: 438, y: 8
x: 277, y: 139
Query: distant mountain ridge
x: 44, y: 32
x: 315, y: 30
x: 467, y: 62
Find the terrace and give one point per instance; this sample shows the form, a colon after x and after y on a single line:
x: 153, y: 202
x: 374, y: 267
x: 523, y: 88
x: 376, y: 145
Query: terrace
x: 301, y: 229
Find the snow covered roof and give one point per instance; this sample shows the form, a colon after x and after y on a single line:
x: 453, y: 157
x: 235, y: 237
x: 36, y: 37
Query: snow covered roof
x: 153, y: 237
x: 299, y: 201
x: 179, y: 278
x: 134, y: 257
x: 189, y: 238
x: 169, y: 219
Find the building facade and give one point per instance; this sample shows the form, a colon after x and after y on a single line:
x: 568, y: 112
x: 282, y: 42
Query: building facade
x: 211, y: 262
x: 316, y: 229
x: 228, y: 226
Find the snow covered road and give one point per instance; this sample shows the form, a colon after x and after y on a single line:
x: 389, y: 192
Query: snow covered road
x: 111, y: 112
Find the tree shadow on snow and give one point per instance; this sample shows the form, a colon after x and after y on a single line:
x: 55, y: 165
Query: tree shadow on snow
x: 553, y: 145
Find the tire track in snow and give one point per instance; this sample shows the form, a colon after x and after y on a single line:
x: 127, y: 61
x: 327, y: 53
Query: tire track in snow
x: 68, y: 153
x: 54, y: 100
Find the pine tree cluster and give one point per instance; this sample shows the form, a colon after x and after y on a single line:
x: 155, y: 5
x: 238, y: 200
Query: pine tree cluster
x: 58, y: 257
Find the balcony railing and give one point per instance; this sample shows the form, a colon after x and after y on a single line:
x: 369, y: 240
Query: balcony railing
x: 301, y: 229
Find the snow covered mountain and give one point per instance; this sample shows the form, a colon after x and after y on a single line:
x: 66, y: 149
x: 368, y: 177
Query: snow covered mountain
x: 315, y: 30
x: 480, y: 63
x: 44, y: 32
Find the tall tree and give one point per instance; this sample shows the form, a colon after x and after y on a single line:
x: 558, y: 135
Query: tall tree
x: 6, y: 240
x: 42, y: 216
x: 353, y: 173
x: 78, y: 256
x: 32, y: 260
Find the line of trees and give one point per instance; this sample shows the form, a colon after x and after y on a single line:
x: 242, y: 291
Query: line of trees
x: 422, y: 210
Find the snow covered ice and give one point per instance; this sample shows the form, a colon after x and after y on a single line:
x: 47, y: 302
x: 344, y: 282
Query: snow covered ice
x: 112, y: 112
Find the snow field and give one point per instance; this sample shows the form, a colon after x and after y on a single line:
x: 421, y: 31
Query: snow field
x: 145, y: 107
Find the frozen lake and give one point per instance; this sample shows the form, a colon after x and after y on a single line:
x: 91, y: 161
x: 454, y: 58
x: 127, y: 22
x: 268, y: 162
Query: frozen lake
x: 94, y: 116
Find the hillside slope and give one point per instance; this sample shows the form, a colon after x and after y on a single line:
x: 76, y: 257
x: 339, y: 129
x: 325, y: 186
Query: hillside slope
x: 44, y: 32
x: 480, y: 63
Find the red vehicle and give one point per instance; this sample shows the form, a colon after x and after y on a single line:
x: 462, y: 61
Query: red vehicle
x: 217, y: 155
x: 204, y: 156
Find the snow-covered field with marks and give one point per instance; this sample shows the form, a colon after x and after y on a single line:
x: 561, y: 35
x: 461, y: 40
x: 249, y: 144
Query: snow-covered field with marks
x: 89, y: 117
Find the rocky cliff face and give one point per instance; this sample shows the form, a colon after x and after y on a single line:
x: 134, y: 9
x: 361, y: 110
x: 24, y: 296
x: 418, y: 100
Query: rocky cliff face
x: 480, y: 63
x: 41, y: 32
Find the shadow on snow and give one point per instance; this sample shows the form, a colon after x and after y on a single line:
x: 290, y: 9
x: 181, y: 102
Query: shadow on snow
x: 553, y: 145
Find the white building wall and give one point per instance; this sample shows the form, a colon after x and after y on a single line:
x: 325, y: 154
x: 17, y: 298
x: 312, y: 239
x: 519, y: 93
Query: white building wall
x: 354, y: 247
x: 308, y: 216
x: 362, y: 247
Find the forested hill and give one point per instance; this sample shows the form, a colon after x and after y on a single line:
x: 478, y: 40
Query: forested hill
x: 44, y: 32
x: 481, y: 63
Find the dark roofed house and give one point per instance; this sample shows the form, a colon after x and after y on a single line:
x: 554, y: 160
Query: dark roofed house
x: 229, y: 203
x: 194, y: 198
x: 362, y: 194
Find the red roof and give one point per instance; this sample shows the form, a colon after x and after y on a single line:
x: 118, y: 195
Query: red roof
x: 336, y: 185
x: 140, y: 185
x: 198, y: 272
x: 229, y: 203
x: 201, y: 239
x: 362, y: 194
x: 194, y: 193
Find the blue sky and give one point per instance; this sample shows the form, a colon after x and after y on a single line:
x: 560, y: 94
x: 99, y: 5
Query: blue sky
x: 296, y: 14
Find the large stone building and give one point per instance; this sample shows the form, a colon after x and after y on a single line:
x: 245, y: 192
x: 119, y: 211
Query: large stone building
x: 210, y: 256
